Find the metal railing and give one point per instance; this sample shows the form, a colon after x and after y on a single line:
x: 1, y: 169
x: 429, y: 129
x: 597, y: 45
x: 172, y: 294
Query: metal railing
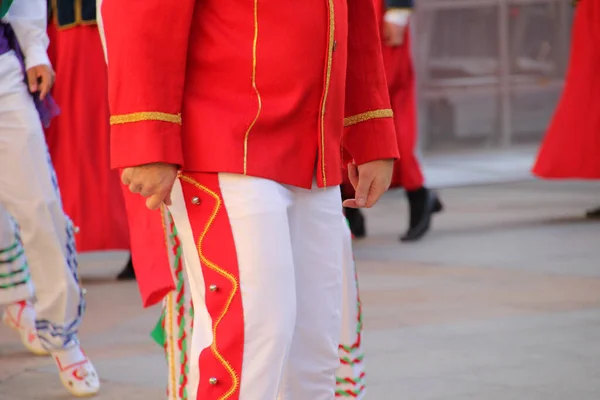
x: 489, y: 72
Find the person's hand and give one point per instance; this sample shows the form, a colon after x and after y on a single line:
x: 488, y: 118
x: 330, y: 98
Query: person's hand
x: 152, y: 181
x: 370, y: 181
x: 40, y: 79
x: 393, y: 33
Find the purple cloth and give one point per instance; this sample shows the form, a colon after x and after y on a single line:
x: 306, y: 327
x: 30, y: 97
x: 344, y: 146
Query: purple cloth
x: 46, y: 108
x: 4, y: 43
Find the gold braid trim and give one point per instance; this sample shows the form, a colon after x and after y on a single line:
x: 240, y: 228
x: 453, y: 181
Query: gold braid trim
x: 145, y: 116
x: 235, y: 378
x: 355, y: 119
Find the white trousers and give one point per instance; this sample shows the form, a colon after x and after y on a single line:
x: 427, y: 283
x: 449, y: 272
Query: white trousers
x: 265, y: 267
x: 175, y: 330
x: 29, y: 193
x: 15, y: 280
x: 350, y: 377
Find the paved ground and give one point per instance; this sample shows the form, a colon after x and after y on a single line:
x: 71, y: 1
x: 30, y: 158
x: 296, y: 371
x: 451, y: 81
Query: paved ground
x: 500, y: 302
x: 461, y: 168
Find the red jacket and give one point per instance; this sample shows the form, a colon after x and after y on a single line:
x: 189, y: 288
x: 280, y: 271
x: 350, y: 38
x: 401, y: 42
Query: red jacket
x: 254, y: 87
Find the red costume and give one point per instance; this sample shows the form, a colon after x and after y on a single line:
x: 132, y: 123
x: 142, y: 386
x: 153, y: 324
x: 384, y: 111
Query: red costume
x: 401, y: 86
x: 250, y: 99
x: 400, y: 74
x: 571, y: 148
x: 401, y: 82
x: 288, y: 96
x: 78, y: 139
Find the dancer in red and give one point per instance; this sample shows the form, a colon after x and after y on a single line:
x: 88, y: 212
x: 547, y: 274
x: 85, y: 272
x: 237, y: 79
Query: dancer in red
x: 78, y: 139
x: 394, y: 18
x: 232, y: 114
x: 571, y: 148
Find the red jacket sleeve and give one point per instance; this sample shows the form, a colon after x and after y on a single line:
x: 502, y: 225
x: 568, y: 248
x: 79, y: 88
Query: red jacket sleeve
x: 369, y: 127
x: 146, y: 43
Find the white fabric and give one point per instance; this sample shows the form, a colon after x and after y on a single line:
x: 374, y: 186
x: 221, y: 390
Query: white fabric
x: 350, y: 374
x: 15, y: 281
x: 290, y: 248
x: 178, y: 306
x: 397, y: 16
x: 28, y: 19
x: 100, y: 23
x: 28, y: 191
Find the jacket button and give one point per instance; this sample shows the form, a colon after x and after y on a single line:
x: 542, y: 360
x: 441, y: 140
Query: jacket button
x: 213, y: 381
x: 334, y: 45
x: 213, y: 288
x: 196, y: 200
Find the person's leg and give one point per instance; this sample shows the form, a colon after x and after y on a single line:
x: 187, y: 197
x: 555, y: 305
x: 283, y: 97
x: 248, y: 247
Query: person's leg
x: 350, y: 376
x: 422, y: 201
x: 235, y: 236
x: 319, y: 233
x: 127, y: 273
x: 15, y: 280
x: 29, y: 193
x: 16, y: 288
x: 357, y: 222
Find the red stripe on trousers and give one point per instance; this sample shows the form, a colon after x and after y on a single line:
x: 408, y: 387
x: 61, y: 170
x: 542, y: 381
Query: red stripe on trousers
x: 216, y: 248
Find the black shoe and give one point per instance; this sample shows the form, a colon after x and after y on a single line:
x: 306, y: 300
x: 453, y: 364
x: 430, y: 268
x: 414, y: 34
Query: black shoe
x: 128, y: 273
x: 356, y: 220
x: 593, y: 214
x: 423, y: 204
x: 438, y: 206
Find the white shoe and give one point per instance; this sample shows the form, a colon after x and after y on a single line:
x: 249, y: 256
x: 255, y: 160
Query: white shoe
x: 21, y: 317
x: 76, y: 372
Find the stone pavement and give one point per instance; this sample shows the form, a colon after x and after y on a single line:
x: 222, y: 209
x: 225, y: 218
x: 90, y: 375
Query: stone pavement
x: 500, y: 302
x: 460, y: 168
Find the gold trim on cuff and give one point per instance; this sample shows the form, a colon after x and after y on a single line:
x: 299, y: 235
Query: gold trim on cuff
x: 145, y: 116
x: 355, y: 119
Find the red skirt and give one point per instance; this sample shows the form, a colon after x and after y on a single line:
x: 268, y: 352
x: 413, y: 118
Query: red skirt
x: 78, y: 140
x: 571, y: 148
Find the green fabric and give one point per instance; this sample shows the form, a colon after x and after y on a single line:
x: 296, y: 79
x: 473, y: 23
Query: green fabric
x: 4, y: 6
x: 158, y: 333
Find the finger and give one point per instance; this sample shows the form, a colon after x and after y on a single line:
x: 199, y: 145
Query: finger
x: 126, y: 176
x: 350, y: 203
x: 45, y: 86
x: 374, y: 196
x: 168, y: 201
x: 362, y: 189
x: 32, y: 80
x: 135, y: 187
x: 353, y: 175
x: 149, y: 190
x: 146, y: 191
x: 154, y: 202
x: 386, y: 30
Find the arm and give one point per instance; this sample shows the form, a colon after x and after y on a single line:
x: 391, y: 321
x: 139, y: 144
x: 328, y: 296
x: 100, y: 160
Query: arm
x: 146, y: 44
x: 28, y: 19
x: 395, y: 21
x: 369, y: 133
